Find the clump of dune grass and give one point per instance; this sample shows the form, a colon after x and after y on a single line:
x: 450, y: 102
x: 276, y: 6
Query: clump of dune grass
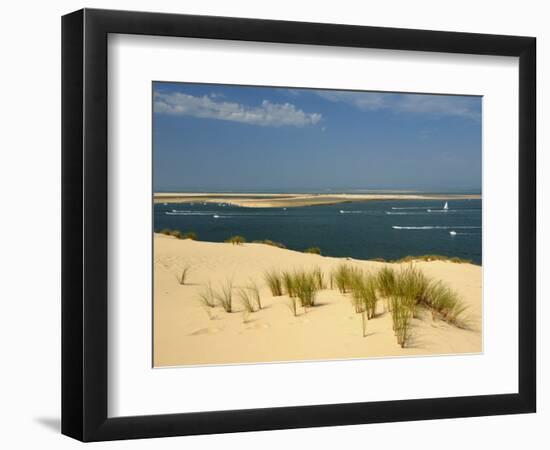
x: 255, y: 293
x: 224, y: 296
x: 386, y: 283
x: 189, y: 235
x: 166, y: 231
x: 314, y: 250
x: 445, y: 303
x: 287, y: 279
x: 401, y: 319
x: 305, y: 288
x: 176, y: 233
x: 236, y: 240
x: 431, y: 257
x: 411, y: 289
x: 413, y: 285
x: 343, y: 277
x: 274, y: 282
x: 207, y: 297
x: 293, y: 306
x: 364, y: 294
x: 319, y: 278
x: 247, y: 300
x: 269, y: 242
x: 183, y: 274
x: 457, y: 260
x: 364, y: 323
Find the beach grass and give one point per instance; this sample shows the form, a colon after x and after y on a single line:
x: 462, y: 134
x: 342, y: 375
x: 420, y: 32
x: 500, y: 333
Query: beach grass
x: 431, y: 257
x: 363, y: 292
x: 207, y: 297
x: 274, y: 282
x: 287, y: 279
x: 183, y: 274
x: 247, y: 299
x: 269, y: 242
x: 293, y: 306
x: 364, y: 323
x: 445, y: 303
x: 305, y: 287
x: 319, y: 278
x: 386, y: 281
x: 236, y: 240
x: 412, y: 287
x: 313, y: 250
x: 224, y: 296
x: 176, y: 233
x: 343, y: 277
x: 401, y: 319
x: 255, y: 293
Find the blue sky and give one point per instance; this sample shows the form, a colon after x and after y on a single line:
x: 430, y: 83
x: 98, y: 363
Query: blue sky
x: 238, y: 138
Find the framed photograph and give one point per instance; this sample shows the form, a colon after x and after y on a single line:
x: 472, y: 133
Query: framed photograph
x: 273, y: 224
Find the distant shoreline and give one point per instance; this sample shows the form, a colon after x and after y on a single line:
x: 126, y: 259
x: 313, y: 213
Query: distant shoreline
x: 284, y: 200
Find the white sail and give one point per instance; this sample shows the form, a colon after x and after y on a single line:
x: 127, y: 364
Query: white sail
x: 446, y: 206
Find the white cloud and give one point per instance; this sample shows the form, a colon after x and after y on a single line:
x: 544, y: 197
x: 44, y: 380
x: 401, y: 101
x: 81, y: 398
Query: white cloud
x: 448, y: 105
x: 209, y: 107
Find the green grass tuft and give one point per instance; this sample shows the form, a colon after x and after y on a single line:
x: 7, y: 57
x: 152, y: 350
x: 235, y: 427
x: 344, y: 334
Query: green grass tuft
x: 269, y: 242
x: 236, y: 240
x: 319, y: 278
x: 273, y: 280
x: 206, y: 297
x: 454, y: 259
x: 411, y: 289
x: 293, y: 306
x: 343, y: 277
x: 314, y: 250
x: 445, y: 303
x: 184, y: 273
x: 190, y: 235
x: 363, y: 294
x: 224, y: 296
x: 255, y: 292
x: 401, y: 319
x: 305, y: 288
x: 287, y: 279
x: 386, y: 280
x: 247, y: 300
x: 176, y: 233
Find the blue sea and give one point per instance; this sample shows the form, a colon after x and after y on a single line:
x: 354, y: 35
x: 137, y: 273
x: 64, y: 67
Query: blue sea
x: 363, y: 230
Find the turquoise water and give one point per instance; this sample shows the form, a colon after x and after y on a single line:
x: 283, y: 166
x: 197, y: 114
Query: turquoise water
x: 363, y: 230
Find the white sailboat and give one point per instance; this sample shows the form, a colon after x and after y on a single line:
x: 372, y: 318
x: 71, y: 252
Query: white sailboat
x: 444, y: 210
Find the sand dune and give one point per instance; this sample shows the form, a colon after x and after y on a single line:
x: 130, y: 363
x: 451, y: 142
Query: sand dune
x: 295, y: 200
x: 184, y: 334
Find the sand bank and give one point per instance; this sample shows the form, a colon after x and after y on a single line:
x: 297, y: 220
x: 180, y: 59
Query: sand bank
x: 184, y: 334
x: 294, y: 200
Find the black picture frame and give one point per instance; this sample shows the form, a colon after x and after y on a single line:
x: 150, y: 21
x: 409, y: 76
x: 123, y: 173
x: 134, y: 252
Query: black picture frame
x: 84, y: 224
